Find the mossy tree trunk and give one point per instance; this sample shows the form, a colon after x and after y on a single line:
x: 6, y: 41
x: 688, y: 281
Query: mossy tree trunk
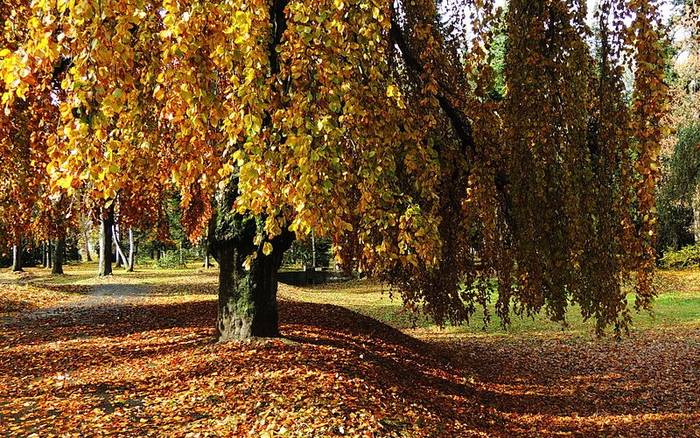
x: 247, y: 298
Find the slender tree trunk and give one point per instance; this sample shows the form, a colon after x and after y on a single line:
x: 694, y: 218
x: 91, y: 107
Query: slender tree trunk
x: 207, y: 261
x: 121, y: 259
x: 313, y: 251
x: 86, y: 238
x: 696, y: 215
x: 132, y: 250
x: 48, y: 255
x: 17, y: 257
x: 59, y: 253
x: 45, y: 253
x: 115, y: 246
x: 106, y: 223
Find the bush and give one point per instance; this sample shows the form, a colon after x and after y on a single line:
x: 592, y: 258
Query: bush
x: 686, y: 257
x: 301, y: 253
x: 170, y: 259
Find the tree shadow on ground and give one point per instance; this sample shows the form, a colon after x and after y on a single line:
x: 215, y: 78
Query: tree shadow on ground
x: 504, y: 389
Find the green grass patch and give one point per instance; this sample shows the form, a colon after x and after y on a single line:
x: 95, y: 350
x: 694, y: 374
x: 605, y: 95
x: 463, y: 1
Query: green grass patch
x: 678, y: 304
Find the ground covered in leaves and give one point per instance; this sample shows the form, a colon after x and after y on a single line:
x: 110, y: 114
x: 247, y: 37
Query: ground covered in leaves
x: 134, y: 355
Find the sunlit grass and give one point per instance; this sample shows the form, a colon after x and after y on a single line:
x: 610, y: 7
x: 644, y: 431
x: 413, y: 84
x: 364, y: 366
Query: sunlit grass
x: 678, y: 302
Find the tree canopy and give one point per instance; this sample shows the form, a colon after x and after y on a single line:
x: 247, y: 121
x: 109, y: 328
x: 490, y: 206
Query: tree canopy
x: 374, y: 123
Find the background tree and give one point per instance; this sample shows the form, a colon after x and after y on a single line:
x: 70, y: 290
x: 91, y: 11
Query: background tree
x: 679, y: 204
x: 683, y: 182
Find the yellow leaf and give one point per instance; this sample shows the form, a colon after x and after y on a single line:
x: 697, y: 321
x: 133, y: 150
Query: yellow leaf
x: 65, y: 181
x: 267, y: 248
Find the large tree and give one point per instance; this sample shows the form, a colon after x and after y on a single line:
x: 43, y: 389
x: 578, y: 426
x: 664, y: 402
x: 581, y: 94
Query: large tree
x: 682, y: 183
x: 375, y: 123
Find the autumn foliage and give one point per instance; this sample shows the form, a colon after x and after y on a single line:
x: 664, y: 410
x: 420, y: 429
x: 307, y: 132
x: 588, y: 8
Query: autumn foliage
x: 372, y: 122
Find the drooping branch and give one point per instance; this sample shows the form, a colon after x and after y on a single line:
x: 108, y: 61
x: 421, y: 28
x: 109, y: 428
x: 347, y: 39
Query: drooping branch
x: 278, y: 23
x: 414, y: 54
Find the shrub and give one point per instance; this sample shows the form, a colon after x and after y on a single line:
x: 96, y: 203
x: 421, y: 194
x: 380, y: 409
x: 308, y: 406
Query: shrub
x: 686, y: 257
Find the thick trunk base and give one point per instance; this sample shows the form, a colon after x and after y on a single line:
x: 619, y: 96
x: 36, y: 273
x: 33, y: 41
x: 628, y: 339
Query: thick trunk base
x: 248, y: 299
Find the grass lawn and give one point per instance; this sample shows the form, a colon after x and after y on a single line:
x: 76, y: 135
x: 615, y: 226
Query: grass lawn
x: 678, y: 303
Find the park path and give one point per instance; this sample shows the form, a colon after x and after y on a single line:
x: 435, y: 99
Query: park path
x: 105, y: 294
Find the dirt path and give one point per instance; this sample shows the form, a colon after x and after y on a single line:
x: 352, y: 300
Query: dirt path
x: 104, y: 294
x: 115, y: 293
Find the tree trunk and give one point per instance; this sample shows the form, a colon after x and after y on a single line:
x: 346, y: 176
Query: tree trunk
x: 132, y: 251
x: 120, y: 257
x: 247, y: 297
x: 45, y: 254
x: 207, y: 261
x: 17, y: 257
x: 313, y: 251
x: 696, y: 215
x: 106, y: 223
x: 59, y: 251
x: 248, y: 300
x: 86, y: 237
